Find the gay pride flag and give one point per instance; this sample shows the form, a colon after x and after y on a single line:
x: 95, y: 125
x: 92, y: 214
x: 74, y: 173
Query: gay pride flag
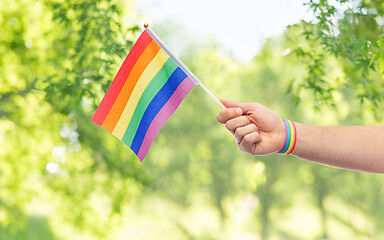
x: 146, y: 91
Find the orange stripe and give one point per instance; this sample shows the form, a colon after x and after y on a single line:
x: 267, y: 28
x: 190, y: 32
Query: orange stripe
x: 118, y: 107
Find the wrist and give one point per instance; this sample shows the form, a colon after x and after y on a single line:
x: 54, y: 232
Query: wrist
x: 281, y: 136
x: 290, y: 139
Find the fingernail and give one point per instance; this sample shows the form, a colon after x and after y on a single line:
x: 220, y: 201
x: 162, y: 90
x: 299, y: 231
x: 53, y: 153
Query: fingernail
x: 239, y: 111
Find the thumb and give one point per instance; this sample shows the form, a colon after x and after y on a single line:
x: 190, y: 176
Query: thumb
x: 234, y: 104
x: 230, y: 103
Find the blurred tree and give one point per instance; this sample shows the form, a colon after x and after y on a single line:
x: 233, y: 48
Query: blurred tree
x: 351, y: 31
x: 56, y: 57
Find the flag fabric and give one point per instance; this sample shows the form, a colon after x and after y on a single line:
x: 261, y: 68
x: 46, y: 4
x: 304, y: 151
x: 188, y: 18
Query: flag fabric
x: 146, y: 91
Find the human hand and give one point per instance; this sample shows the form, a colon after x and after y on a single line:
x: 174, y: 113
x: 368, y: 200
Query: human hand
x: 257, y: 129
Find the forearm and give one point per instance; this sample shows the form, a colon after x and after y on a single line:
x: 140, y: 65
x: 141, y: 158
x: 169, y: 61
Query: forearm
x: 350, y: 147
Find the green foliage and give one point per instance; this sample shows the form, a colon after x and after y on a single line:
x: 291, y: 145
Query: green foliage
x: 352, y: 32
x: 56, y: 57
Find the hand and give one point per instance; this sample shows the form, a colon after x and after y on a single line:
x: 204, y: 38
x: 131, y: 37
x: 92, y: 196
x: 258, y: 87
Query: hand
x: 257, y: 130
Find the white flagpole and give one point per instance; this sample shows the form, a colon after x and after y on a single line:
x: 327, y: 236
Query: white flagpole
x: 181, y: 64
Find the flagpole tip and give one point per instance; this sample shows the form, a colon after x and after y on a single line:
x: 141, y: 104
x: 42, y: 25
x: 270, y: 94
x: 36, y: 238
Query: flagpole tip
x: 146, y: 25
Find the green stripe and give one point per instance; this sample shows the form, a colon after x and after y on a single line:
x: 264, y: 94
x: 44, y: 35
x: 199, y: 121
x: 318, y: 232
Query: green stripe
x: 149, y: 93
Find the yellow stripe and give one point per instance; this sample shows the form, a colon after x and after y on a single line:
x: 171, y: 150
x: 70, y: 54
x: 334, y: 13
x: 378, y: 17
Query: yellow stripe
x: 292, y: 137
x: 149, y: 73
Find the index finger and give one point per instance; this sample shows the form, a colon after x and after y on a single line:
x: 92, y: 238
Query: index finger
x: 228, y: 114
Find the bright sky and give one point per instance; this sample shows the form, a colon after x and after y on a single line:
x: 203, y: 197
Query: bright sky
x: 242, y: 25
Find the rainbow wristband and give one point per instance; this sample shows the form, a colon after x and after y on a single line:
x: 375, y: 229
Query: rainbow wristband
x: 291, y: 136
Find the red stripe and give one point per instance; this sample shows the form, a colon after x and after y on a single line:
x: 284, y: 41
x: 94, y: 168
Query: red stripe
x: 120, y: 78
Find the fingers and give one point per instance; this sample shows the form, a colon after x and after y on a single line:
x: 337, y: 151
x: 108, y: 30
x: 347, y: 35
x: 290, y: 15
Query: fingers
x: 248, y: 144
x: 246, y: 138
x: 228, y: 114
x: 237, y: 122
x: 230, y: 103
x: 243, y: 131
x: 234, y: 104
x: 246, y: 121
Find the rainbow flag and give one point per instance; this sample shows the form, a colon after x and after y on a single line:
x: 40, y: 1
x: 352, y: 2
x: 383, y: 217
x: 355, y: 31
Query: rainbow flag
x: 146, y: 91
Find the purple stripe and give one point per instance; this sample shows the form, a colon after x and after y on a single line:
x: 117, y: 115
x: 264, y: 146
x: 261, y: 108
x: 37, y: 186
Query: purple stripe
x: 286, y: 136
x: 164, y: 114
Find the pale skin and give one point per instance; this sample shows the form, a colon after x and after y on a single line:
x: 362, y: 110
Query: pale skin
x: 260, y: 131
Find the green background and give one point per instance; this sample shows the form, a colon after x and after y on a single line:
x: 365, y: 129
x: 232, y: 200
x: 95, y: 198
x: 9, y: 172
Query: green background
x: 63, y: 177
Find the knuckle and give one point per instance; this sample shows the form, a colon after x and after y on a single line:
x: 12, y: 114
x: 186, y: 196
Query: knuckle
x: 255, y: 129
x: 241, y: 147
x: 244, y: 120
x: 228, y: 125
x: 218, y: 118
x: 244, y: 147
x: 247, y: 138
x: 237, y: 140
x: 238, y: 132
x: 256, y: 104
x: 232, y: 112
x: 226, y: 115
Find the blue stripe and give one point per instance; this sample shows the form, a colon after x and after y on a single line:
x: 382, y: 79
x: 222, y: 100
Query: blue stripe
x: 149, y: 93
x: 154, y: 107
x: 288, y: 137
